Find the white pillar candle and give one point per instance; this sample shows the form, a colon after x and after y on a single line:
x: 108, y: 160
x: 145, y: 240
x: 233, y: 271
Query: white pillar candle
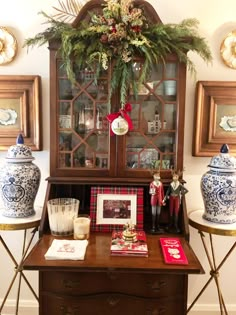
x: 61, y: 214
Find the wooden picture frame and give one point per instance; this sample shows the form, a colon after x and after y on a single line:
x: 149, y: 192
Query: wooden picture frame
x: 20, y: 110
x: 214, y: 118
x: 107, y: 220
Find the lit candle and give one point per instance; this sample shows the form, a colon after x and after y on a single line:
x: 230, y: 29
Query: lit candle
x: 82, y: 227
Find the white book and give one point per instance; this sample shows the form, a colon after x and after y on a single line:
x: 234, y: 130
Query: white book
x: 67, y: 249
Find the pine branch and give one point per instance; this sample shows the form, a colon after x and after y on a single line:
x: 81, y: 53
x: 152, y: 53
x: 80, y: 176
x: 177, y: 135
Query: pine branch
x: 94, y: 44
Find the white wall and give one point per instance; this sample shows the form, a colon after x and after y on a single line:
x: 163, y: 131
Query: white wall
x: 217, y: 18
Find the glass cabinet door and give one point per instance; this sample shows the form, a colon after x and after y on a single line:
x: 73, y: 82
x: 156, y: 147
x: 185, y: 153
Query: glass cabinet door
x: 83, y: 129
x: 152, y: 143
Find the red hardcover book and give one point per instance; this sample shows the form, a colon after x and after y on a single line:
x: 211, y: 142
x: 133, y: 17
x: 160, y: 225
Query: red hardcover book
x: 120, y: 247
x: 173, y: 251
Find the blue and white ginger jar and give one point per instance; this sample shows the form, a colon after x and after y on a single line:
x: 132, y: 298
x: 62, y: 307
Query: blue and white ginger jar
x: 20, y: 179
x: 218, y: 187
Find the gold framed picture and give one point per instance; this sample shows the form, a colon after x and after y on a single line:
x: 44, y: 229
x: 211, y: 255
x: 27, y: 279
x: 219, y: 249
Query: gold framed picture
x: 214, y: 118
x: 20, y: 110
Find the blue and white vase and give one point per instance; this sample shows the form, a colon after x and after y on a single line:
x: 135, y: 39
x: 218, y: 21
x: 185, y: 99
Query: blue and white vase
x: 20, y: 179
x: 218, y: 187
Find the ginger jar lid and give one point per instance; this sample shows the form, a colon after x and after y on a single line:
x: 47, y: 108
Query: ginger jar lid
x: 223, y: 161
x: 20, y: 152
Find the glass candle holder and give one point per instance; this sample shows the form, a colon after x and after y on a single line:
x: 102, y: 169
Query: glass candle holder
x: 61, y: 215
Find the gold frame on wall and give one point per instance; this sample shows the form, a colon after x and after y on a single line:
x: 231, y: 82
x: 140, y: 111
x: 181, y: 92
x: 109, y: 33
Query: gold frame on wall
x: 20, y: 110
x: 215, y: 117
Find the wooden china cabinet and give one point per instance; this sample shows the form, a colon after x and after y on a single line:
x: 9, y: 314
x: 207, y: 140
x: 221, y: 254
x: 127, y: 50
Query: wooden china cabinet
x: 84, y: 154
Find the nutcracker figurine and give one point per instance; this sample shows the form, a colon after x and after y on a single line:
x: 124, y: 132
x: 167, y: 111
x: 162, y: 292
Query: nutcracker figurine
x: 156, y: 191
x: 174, y: 193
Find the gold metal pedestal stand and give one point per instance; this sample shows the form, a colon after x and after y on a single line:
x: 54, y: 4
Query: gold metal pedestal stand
x: 196, y: 220
x: 24, y: 224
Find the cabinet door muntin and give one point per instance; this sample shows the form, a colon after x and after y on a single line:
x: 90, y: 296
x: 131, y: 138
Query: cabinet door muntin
x: 152, y: 143
x: 82, y: 125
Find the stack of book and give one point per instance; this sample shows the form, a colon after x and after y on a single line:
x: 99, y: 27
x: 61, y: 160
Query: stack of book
x: 121, y: 247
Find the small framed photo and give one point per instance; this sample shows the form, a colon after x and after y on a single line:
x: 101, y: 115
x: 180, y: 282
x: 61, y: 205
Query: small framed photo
x: 112, y: 207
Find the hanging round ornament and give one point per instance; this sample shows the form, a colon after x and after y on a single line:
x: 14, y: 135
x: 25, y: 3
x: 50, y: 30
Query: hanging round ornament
x: 119, y: 126
x: 8, y: 46
x: 120, y: 122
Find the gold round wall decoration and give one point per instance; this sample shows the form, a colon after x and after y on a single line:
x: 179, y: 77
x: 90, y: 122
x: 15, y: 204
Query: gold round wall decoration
x: 228, y: 50
x: 8, y: 46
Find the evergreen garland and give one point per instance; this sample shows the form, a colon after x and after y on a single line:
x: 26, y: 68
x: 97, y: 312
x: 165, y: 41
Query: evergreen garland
x: 120, y: 34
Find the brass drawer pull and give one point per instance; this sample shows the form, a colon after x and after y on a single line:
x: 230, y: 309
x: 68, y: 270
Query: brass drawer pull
x: 155, y: 311
x: 71, y: 284
x: 156, y: 286
x: 113, y: 301
x: 65, y: 311
x: 112, y: 275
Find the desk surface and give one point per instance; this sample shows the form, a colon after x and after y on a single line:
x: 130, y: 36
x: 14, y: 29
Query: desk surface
x: 196, y: 220
x: 20, y: 223
x: 98, y: 258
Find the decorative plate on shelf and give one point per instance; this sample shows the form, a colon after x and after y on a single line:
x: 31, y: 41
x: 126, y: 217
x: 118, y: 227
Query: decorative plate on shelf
x: 228, y: 50
x: 8, y: 46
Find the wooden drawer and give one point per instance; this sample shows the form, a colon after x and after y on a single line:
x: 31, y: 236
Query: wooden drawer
x: 146, y: 285
x: 107, y: 304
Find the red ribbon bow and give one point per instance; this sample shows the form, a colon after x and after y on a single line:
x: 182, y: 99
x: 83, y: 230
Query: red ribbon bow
x: 123, y: 112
